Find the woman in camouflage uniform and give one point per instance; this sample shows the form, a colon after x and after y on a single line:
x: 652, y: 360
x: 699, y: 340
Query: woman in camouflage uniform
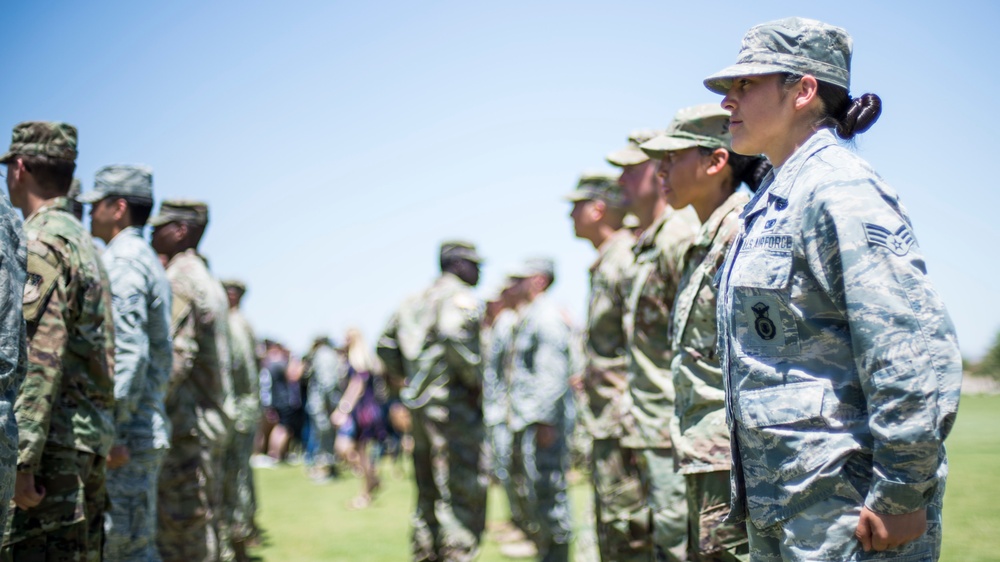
x: 842, y: 367
x: 699, y: 170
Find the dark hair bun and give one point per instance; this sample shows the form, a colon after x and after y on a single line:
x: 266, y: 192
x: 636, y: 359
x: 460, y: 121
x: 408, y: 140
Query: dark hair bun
x: 755, y: 173
x: 861, y: 114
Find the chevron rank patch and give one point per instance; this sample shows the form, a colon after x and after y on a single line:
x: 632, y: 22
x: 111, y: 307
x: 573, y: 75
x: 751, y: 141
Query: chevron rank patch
x: 898, y: 242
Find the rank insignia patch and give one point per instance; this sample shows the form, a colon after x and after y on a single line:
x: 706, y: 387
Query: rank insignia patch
x: 898, y: 242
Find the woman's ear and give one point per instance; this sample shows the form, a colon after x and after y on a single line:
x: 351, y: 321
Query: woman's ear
x: 806, y: 90
x: 718, y: 160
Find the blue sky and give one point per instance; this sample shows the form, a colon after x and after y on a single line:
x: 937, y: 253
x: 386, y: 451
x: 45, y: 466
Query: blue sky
x: 338, y: 143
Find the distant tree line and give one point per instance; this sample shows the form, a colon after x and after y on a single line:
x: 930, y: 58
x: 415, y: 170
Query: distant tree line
x: 989, y: 366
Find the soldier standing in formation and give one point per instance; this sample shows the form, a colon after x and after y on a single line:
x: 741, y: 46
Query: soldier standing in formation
x: 699, y: 169
x: 539, y: 407
x: 64, y: 407
x: 326, y: 371
x: 238, y: 488
x: 121, y: 201
x: 498, y: 333
x: 431, y: 353
x: 190, y: 488
x: 598, y: 211
x: 842, y: 367
x: 662, y: 240
x: 13, y: 354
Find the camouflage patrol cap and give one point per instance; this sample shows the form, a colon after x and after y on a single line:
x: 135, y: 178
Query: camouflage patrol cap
x: 42, y: 138
x: 121, y: 180
x: 234, y: 284
x: 460, y: 249
x: 795, y: 45
x: 701, y: 125
x: 600, y: 186
x: 535, y: 266
x: 181, y: 210
x: 631, y: 155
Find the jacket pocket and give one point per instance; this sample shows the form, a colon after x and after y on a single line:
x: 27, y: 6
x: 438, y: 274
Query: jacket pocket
x: 763, y: 321
x: 785, y: 426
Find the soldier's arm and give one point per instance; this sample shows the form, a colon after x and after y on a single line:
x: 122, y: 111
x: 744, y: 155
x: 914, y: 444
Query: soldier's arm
x: 904, y: 343
x: 45, y: 303
x: 459, y: 324
x: 389, y: 353
x: 604, y: 344
x: 130, y: 308
x: 185, y: 341
x: 550, y: 372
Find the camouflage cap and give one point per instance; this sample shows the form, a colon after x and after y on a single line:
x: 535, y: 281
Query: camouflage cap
x: 701, y: 125
x: 460, y: 249
x: 535, y: 266
x: 234, y: 284
x: 42, y: 138
x: 631, y: 155
x: 122, y: 180
x: 181, y: 210
x: 600, y: 186
x: 795, y: 45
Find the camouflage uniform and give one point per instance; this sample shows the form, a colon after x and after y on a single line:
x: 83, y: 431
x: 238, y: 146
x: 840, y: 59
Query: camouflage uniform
x: 433, y: 343
x: 190, y: 489
x: 497, y: 344
x: 650, y: 384
x: 140, y: 298
x: 697, y: 430
x: 841, y: 364
x: 539, y: 383
x: 825, y: 377
x: 621, y: 517
x: 326, y: 371
x: 13, y: 354
x: 68, y: 312
x: 238, y: 495
x: 64, y: 407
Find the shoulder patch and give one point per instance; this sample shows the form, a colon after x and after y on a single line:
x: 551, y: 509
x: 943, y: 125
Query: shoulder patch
x: 898, y: 242
x: 32, y: 288
x: 40, y: 279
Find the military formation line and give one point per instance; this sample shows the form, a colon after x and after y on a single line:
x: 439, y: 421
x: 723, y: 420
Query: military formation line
x: 765, y: 373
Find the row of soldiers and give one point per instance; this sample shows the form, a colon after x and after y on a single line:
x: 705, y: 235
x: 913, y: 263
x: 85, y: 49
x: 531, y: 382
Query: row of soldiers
x: 769, y: 377
x: 503, y: 378
x: 129, y: 376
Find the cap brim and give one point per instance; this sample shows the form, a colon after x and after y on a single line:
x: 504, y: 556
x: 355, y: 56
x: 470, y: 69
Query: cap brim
x: 90, y: 197
x: 160, y: 220
x: 7, y: 158
x: 628, y: 156
x: 721, y: 81
x: 657, y: 147
x: 577, y: 196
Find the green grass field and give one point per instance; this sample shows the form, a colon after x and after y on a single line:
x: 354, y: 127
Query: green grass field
x: 311, y: 522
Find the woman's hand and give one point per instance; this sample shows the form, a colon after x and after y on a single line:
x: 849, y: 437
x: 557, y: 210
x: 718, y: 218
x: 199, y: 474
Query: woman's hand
x: 884, y: 532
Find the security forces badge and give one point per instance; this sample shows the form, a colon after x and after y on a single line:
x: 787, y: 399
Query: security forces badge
x: 762, y: 324
x: 762, y: 332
